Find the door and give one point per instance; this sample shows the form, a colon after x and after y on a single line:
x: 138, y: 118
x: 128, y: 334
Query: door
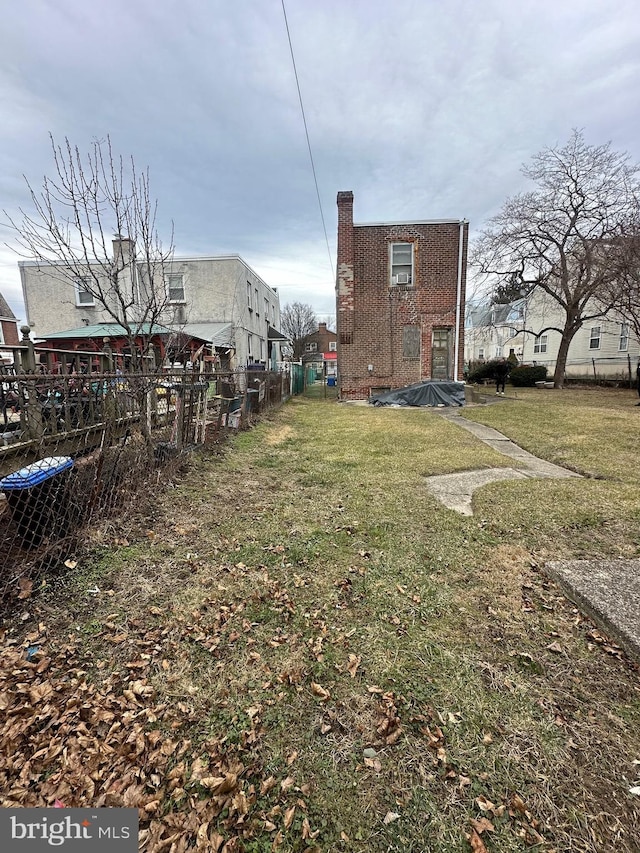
x: 440, y: 354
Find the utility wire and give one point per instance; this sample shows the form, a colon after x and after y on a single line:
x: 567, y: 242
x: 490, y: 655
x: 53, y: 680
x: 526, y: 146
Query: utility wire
x: 306, y: 131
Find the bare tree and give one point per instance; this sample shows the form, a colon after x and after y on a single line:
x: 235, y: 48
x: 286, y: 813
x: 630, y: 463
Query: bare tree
x: 94, y: 222
x: 562, y: 238
x: 297, y: 320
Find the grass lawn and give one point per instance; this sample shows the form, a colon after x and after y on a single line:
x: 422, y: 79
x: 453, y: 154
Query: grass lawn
x: 299, y: 649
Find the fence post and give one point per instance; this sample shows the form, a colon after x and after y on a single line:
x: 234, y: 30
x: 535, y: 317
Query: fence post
x: 28, y: 355
x: 107, y: 357
x: 33, y: 412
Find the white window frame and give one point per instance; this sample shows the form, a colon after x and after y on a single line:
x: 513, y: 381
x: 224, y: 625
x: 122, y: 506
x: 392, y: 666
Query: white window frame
x: 623, y: 343
x: 540, y: 344
x: 400, y: 278
x: 498, y: 352
x: 79, y: 289
x: 249, y: 345
x: 1, y: 333
x: 594, y: 339
x: 480, y: 352
x: 170, y: 287
x: 312, y: 346
x: 249, y: 304
x: 333, y: 346
x: 257, y: 301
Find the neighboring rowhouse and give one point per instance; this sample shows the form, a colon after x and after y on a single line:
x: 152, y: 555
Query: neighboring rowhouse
x: 218, y: 299
x: 491, y: 330
x: 320, y: 351
x: 400, y: 293
x: 603, y: 348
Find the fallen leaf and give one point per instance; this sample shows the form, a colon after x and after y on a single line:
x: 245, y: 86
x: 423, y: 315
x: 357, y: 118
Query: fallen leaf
x: 555, y: 647
x: 481, y: 825
x: 390, y: 817
x: 71, y: 564
x: 26, y: 587
x: 354, y: 663
x: 288, y: 817
x: 477, y: 844
x: 319, y: 691
x: 484, y: 804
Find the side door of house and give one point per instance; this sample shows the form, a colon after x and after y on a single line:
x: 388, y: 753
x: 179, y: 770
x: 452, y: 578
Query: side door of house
x: 441, y: 354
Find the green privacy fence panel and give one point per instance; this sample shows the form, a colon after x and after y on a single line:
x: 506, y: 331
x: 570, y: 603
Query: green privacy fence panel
x: 297, y: 379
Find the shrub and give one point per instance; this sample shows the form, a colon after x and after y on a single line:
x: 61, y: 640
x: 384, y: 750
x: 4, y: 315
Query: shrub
x: 480, y: 370
x: 527, y: 376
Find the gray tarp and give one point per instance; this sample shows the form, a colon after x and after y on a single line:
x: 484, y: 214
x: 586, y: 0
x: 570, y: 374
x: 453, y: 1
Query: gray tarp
x: 433, y: 392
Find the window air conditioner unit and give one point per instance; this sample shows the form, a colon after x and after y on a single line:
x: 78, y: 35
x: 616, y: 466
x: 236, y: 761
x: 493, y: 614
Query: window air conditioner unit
x: 402, y: 278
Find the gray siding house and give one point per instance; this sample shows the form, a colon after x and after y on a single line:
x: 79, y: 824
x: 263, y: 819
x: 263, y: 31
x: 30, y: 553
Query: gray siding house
x: 219, y: 299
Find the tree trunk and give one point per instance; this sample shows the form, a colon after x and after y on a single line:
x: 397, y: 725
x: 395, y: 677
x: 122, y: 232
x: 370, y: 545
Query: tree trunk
x: 568, y: 334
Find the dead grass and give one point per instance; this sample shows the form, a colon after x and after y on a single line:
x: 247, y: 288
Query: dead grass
x: 397, y: 670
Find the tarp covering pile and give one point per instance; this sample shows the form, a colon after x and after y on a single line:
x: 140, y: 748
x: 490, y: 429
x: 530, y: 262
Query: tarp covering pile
x: 432, y: 392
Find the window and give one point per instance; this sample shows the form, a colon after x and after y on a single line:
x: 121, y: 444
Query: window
x: 594, y: 340
x: 411, y: 342
x: 402, y: 263
x: 266, y: 309
x: 249, y: 344
x: 333, y: 346
x: 480, y: 352
x: 497, y: 352
x: 312, y: 347
x: 175, y: 288
x: 84, y: 297
x: 249, y: 306
x: 623, y: 344
x: 540, y: 344
x: 256, y: 302
x: 261, y: 349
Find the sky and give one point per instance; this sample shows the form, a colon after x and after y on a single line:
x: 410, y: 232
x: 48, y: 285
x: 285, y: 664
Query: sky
x: 425, y: 109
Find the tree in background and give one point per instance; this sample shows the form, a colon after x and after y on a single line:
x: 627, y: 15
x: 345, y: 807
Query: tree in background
x: 92, y: 200
x: 297, y: 320
x: 563, y: 237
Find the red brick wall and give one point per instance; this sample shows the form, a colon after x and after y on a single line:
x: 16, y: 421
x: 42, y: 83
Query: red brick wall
x: 10, y: 334
x: 372, y: 313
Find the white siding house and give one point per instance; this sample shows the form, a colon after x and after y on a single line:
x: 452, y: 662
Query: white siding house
x: 601, y: 349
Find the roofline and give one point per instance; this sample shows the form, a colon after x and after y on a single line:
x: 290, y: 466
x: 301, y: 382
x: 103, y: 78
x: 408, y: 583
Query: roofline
x: 168, y: 263
x: 413, y: 222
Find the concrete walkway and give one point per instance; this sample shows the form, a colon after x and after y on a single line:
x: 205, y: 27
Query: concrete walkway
x: 455, y: 491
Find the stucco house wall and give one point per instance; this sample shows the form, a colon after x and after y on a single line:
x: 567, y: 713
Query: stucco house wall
x: 214, y: 290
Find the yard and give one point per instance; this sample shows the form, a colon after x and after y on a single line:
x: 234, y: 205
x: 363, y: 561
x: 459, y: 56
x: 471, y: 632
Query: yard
x: 299, y: 649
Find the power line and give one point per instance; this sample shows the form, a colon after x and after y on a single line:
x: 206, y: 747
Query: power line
x: 306, y: 131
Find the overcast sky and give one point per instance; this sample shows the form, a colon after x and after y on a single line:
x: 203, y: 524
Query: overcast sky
x: 424, y: 108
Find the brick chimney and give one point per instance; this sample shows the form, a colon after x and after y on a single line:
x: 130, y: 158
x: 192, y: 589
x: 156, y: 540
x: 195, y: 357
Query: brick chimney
x: 322, y: 327
x: 344, y: 278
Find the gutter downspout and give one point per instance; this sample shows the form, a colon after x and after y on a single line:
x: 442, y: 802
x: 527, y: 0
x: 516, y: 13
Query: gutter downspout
x: 456, y: 348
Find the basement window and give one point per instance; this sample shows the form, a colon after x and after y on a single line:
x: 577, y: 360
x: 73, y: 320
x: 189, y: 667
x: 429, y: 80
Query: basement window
x: 401, y: 263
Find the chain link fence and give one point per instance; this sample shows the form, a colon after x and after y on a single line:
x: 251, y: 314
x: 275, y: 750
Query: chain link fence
x: 77, y: 446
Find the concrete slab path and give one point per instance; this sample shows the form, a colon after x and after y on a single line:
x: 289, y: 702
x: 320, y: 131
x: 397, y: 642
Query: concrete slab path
x: 608, y: 591
x: 455, y: 491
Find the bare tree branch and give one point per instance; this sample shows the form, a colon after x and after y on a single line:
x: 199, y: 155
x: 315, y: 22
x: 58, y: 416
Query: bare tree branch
x: 563, y: 238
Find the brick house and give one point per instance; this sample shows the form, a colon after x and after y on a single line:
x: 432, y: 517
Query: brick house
x: 400, y: 293
x: 8, y: 324
x: 320, y: 349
